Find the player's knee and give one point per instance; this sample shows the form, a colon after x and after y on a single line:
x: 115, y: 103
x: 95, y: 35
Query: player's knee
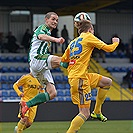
x: 24, y: 120
x: 55, y: 61
x: 109, y: 81
x: 51, y: 90
x: 86, y: 114
x: 106, y: 82
x: 53, y: 94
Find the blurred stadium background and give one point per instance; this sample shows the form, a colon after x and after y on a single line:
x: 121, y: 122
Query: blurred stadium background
x: 110, y: 17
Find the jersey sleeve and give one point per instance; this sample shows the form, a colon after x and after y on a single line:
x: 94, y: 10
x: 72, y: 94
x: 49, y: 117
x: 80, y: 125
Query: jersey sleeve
x: 101, y: 45
x: 42, y: 29
x: 95, y: 42
x: 110, y: 47
x: 65, y: 57
x: 19, y: 83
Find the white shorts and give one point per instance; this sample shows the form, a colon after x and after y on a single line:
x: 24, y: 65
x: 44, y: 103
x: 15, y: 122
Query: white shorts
x: 40, y: 64
x: 40, y: 70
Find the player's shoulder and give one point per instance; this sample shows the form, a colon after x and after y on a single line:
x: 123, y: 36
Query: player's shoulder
x: 25, y: 75
x: 40, y: 28
x: 88, y: 35
x: 21, y: 78
x: 43, y: 29
x: 75, y: 39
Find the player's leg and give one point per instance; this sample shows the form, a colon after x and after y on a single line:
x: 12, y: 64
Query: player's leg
x: 79, y: 120
x: 15, y: 129
x: 53, y: 61
x: 81, y: 96
x: 31, y: 117
x: 46, y: 80
x: 56, y: 62
x: 41, y: 97
x: 39, y: 67
x: 21, y: 125
x: 27, y: 121
x: 38, y: 99
x: 104, y: 84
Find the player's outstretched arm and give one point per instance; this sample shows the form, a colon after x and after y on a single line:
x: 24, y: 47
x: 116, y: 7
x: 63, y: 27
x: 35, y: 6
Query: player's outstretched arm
x: 111, y: 47
x: 45, y: 37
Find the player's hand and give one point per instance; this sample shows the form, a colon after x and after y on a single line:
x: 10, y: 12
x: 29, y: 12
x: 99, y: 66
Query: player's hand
x: 115, y: 39
x: 60, y: 40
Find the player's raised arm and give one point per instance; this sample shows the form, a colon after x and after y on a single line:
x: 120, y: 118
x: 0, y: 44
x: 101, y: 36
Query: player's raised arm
x: 45, y: 37
x: 94, y: 41
x: 111, y: 47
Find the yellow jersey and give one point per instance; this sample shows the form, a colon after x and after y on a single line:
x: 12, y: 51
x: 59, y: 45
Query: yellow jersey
x: 78, y: 54
x: 30, y: 87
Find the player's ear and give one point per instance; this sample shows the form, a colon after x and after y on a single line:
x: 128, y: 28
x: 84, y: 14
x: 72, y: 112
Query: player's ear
x: 45, y: 19
x: 91, y: 30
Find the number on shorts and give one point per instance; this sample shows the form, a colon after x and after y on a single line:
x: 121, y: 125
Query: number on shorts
x: 87, y: 96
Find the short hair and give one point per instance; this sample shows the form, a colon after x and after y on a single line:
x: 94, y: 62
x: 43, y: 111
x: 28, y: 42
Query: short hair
x: 84, y: 25
x: 48, y: 15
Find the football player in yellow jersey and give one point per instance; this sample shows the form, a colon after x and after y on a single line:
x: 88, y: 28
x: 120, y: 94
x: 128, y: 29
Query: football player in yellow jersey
x: 78, y: 55
x: 30, y: 88
x: 95, y: 79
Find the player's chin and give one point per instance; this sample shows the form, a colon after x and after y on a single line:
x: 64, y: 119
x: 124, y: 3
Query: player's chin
x: 54, y: 26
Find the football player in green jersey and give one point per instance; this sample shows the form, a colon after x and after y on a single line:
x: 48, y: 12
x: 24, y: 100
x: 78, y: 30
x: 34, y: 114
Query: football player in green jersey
x: 41, y: 61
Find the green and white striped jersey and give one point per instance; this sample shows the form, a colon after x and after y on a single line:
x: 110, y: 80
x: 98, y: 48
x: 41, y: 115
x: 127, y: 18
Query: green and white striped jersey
x: 39, y: 47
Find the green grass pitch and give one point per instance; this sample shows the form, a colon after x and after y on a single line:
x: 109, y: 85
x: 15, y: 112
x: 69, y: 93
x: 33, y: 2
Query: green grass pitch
x: 61, y: 127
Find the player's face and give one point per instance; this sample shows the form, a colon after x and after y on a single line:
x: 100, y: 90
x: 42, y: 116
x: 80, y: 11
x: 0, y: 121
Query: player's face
x: 52, y: 22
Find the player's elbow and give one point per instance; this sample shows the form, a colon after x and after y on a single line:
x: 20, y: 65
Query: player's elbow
x: 43, y: 37
x: 110, y: 50
x: 40, y: 37
x: 15, y: 85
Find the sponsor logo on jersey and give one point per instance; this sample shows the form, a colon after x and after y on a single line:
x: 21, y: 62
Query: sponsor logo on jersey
x: 72, y: 62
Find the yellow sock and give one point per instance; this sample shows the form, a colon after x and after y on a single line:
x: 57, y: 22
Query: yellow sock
x: 21, y: 126
x: 76, y: 123
x: 24, y: 127
x: 101, y: 95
